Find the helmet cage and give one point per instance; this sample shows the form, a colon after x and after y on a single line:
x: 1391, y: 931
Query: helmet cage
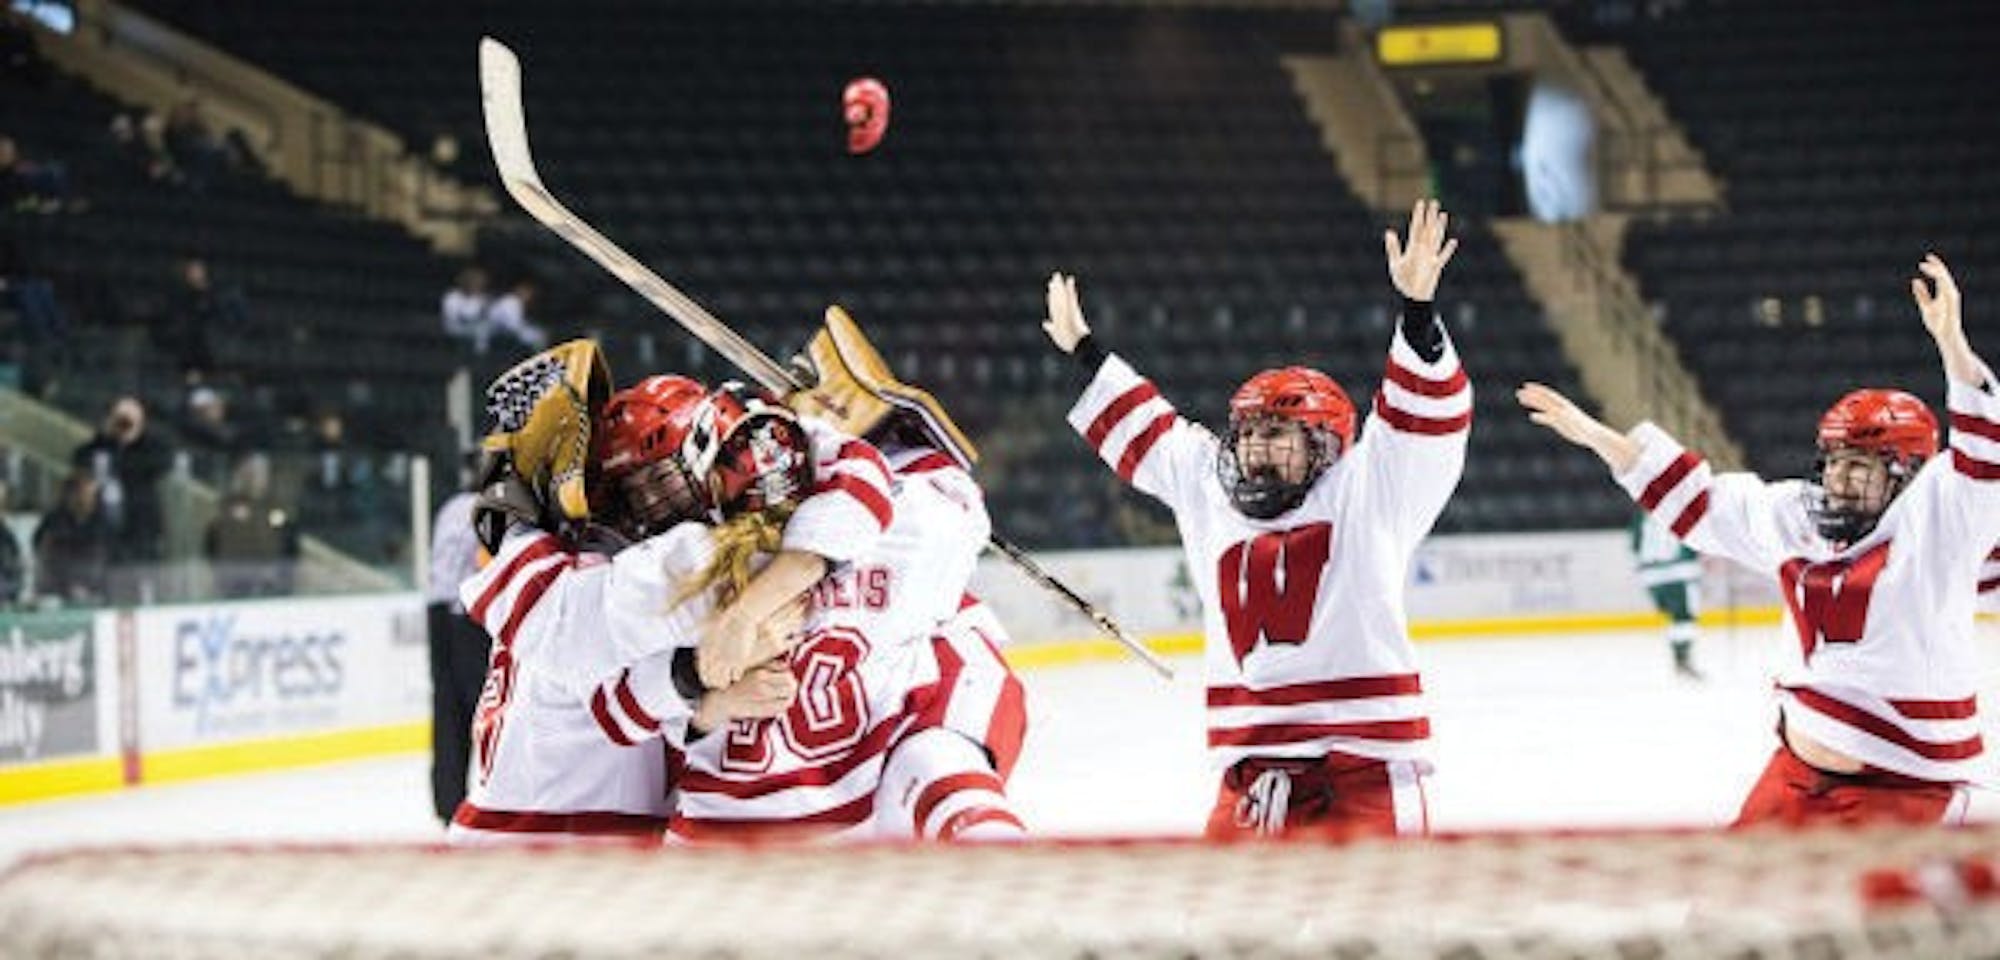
x: 1266, y: 495
x: 1847, y: 522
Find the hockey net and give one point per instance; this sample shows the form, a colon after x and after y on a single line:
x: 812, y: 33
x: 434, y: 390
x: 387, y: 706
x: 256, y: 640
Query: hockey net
x: 1882, y: 892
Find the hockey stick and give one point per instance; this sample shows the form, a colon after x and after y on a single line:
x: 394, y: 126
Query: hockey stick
x: 507, y: 134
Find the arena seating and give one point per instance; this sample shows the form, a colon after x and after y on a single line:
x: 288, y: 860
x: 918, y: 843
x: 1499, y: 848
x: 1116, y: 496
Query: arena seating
x: 1850, y: 147
x: 1160, y: 155
x: 340, y: 309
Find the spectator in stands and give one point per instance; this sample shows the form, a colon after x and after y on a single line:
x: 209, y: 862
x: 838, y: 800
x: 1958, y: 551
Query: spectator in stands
x: 198, y: 313
x: 253, y: 543
x: 459, y: 648
x: 145, y: 154
x: 31, y: 187
x: 13, y: 570
x: 464, y: 308
x: 508, y: 318
x: 207, y: 425
x: 127, y: 465
x: 73, y: 545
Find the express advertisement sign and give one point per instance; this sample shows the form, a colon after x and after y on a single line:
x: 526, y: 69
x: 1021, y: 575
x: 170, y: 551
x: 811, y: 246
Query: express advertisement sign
x: 248, y: 670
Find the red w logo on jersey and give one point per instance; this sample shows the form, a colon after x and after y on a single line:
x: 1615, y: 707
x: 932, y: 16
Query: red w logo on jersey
x: 1829, y: 601
x: 1269, y: 583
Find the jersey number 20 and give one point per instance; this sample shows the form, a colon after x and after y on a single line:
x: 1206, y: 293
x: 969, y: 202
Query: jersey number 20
x: 828, y: 716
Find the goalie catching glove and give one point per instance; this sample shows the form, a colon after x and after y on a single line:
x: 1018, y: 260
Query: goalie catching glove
x: 535, y: 457
x: 851, y: 387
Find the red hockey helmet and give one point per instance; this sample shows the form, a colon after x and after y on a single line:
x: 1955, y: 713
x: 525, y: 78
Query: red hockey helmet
x: 1299, y: 394
x: 749, y: 449
x: 1296, y: 393
x: 646, y: 483
x: 645, y: 422
x: 1891, y: 425
x: 1888, y: 422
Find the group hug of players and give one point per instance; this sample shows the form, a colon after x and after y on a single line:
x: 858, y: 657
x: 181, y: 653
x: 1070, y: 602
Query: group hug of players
x: 720, y: 614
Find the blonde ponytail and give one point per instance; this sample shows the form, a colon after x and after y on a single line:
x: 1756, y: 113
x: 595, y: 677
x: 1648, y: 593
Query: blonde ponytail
x: 738, y: 541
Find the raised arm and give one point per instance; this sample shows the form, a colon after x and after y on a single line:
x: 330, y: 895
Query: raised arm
x: 1123, y: 417
x: 1972, y: 486
x: 1414, y: 443
x: 1734, y: 515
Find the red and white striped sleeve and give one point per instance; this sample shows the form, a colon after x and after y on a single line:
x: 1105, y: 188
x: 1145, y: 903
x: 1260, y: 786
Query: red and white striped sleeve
x: 501, y: 595
x: 1974, y: 480
x: 1734, y: 515
x: 1989, y: 575
x: 569, y: 620
x: 1414, y: 444
x: 849, y: 507
x: 640, y: 704
x: 1137, y: 433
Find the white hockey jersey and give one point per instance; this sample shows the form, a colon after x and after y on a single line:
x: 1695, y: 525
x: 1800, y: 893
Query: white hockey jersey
x: 1308, y: 648
x: 1884, y: 669
x: 579, y: 691
x: 869, y: 675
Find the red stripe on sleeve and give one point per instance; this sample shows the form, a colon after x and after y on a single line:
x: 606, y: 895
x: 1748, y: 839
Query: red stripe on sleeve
x: 1696, y: 509
x: 1412, y: 423
x: 1421, y: 385
x: 867, y: 494
x: 531, y: 594
x: 600, y: 710
x: 864, y: 452
x: 1974, y: 467
x: 1668, y: 480
x: 630, y: 704
x: 544, y: 545
x: 1976, y: 425
x: 1135, y: 452
x: 1109, y: 419
x: 929, y: 462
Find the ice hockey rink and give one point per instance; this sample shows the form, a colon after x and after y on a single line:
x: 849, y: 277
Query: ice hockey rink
x: 1575, y: 730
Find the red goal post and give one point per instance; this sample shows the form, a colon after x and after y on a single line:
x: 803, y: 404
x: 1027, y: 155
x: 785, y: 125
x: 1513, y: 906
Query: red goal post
x: 1879, y: 892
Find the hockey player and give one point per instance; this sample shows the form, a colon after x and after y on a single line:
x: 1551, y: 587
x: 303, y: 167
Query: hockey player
x: 908, y: 722
x: 1878, y: 555
x: 566, y: 613
x: 1300, y: 537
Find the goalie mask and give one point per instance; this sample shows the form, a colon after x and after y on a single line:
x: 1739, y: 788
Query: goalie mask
x: 536, y: 453
x: 645, y: 486
x: 749, y: 450
x: 1286, y: 427
x: 854, y: 390
x: 1871, y: 442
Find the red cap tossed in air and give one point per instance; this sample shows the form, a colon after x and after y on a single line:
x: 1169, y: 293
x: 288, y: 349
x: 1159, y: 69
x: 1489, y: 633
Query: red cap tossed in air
x: 865, y: 105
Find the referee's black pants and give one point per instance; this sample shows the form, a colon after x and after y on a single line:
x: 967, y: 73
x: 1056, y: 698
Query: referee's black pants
x: 459, y: 650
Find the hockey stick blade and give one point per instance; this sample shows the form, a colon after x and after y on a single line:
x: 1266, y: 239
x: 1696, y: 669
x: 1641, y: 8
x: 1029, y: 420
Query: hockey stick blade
x: 507, y: 135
